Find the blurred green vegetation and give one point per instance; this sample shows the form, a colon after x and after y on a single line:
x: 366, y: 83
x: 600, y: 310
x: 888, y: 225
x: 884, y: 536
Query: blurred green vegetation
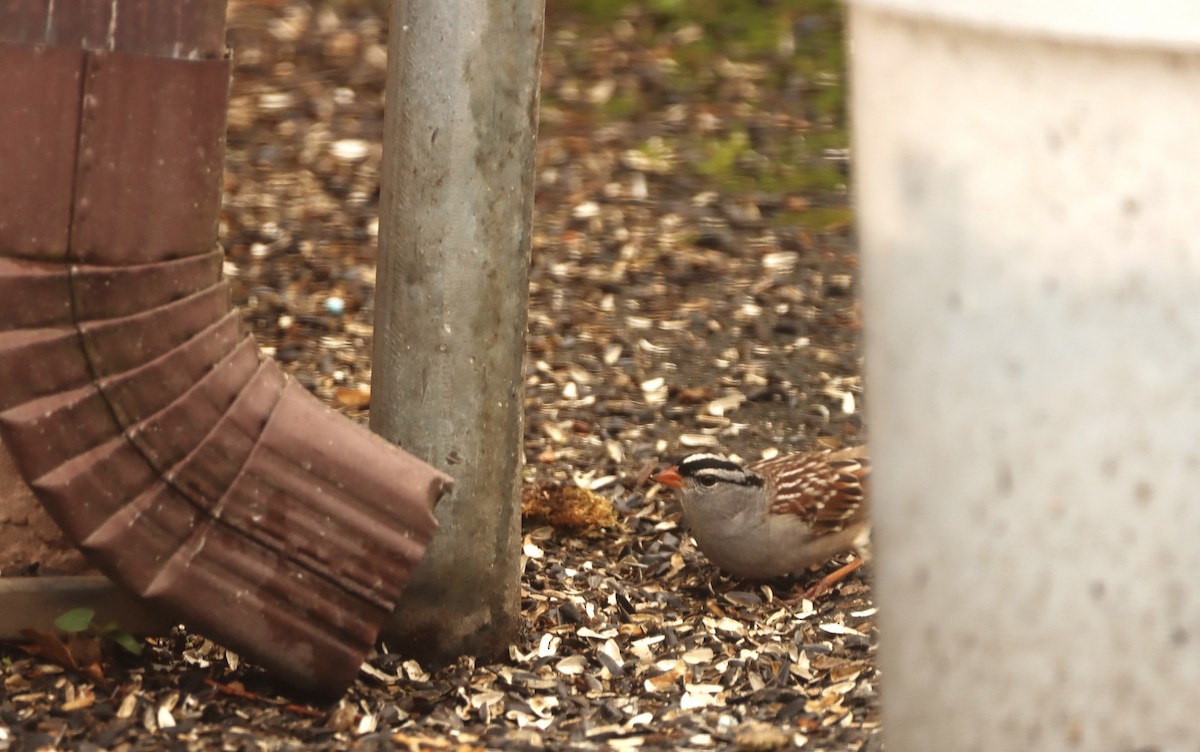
x: 776, y: 138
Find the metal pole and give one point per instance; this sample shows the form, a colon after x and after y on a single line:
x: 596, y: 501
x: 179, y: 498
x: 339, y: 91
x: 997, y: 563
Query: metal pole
x: 453, y: 285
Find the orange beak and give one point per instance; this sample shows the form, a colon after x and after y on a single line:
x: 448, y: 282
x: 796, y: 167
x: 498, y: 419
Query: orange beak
x: 669, y: 477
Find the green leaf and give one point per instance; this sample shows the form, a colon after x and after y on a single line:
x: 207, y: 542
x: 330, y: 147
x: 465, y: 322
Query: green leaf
x: 75, y: 620
x: 124, y: 639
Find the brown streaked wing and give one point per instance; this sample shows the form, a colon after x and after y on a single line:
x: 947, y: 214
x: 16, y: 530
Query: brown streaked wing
x: 826, y: 489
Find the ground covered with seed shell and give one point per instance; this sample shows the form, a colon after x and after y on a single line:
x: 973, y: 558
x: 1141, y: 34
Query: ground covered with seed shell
x: 692, y: 286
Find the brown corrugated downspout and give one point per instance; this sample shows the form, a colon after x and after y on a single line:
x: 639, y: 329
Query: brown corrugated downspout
x: 186, y: 466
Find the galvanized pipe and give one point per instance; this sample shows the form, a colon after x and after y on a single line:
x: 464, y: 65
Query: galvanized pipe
x: 457, y: 207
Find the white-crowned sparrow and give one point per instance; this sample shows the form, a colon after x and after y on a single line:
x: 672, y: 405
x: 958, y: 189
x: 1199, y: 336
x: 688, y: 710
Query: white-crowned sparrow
x: 774, y: 517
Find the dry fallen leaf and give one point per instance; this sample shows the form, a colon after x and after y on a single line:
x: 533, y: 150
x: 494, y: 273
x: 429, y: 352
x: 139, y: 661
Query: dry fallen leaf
x: 358, y: 396
x: 80, y: 653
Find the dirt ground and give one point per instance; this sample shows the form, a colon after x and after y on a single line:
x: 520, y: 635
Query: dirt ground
x: 692, y: 286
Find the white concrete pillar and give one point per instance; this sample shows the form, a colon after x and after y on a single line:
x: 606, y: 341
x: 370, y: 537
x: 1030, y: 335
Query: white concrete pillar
x: 1028, y: 180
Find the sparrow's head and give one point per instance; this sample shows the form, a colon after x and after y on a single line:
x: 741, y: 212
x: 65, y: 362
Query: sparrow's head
x: 715, y: 493
x: 702, y: 473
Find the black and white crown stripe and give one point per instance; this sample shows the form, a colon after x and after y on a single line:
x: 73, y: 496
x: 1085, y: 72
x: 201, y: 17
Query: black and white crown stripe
x: 714, y: 466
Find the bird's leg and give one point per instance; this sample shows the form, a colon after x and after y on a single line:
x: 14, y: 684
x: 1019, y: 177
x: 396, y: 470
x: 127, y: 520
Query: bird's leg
x: 829, y: 580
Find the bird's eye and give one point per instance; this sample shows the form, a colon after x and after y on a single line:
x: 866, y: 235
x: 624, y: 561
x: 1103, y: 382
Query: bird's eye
x: 707, y: 481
